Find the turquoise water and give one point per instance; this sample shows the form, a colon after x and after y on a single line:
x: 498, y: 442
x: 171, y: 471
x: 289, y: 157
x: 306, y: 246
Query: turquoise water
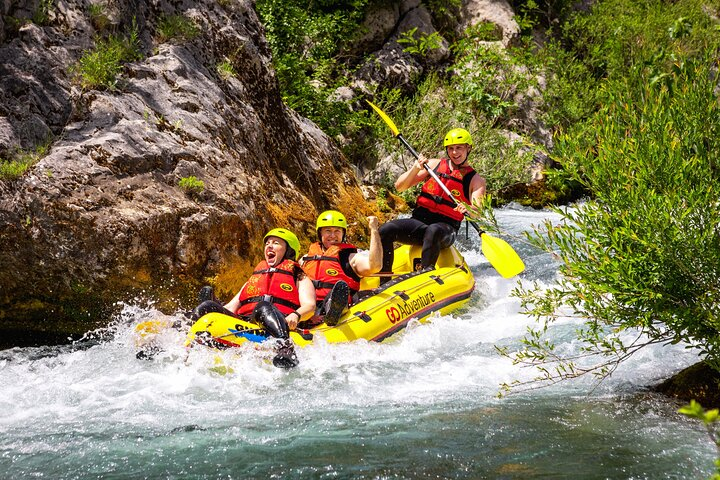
x: 421, y: 405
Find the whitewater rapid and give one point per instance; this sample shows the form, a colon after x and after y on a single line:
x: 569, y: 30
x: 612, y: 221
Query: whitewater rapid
x: 422, y: 404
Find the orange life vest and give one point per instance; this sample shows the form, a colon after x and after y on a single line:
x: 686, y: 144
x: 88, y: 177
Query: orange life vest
x: 277, y: 285
x: 325, y: 269
x: 432, y: 196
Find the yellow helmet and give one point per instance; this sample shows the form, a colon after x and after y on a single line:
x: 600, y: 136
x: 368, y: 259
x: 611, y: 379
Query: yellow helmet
x: 457, y: 136
x: 331, y: 218
x: 292, y: 241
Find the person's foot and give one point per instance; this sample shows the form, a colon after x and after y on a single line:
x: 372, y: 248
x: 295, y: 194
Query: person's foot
x: 285, y: 356
x: 338, y: 301
x: 206, y: 293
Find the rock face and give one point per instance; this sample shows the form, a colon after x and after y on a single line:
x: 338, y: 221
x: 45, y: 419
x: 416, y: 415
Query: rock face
x: 103, y: 213
x: 390, y: 66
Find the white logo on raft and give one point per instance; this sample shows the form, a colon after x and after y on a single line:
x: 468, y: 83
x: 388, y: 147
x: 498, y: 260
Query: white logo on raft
x: 409, y: 307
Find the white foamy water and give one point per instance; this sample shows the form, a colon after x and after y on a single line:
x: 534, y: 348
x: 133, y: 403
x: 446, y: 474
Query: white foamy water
x: 422, y: 404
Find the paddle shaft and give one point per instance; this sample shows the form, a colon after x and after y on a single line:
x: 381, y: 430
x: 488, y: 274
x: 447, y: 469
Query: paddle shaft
x: 435, y: 177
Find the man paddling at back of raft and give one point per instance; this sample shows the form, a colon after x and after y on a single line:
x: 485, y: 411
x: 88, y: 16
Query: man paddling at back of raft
x: 277, y: 295
x: 437, y: 217
x: 336, y: 268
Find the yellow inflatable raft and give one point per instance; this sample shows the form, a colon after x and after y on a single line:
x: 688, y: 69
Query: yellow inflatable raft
x: 382, y: 312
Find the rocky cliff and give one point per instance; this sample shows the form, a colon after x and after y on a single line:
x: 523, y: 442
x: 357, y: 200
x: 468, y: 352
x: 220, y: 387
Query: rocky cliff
x: 102, y: 214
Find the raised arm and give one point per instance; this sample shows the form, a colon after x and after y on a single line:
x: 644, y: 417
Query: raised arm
x: 365, y: 265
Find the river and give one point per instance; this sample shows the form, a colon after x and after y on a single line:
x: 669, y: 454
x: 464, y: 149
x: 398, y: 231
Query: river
x: 421, y: 405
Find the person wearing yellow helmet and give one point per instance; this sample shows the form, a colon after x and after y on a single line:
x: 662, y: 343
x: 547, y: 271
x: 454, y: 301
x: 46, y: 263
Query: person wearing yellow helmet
x: 335, y: 266
x: 277, y: 295
x: 437, y: 217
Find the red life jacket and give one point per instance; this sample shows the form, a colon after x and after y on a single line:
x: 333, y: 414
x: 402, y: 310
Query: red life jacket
x: 433, y: 198
x: 277, y: 285
x: 325, y: 269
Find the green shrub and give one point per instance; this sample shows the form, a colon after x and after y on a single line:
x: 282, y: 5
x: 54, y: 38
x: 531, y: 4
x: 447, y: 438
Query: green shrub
x: 419, y: 45
x: 571, y: 91
x: 176, y: 27
x: 12, y: 169
x: 100, y: 67
x: 487, y: 77
x: 41, y: 16
x: 445, y: 13
x: 641, y: 31
x: 21, y: 161
x: 307, y: 42
x: 225, y: 69
x: 191, y: 185
x: 643, y: 256
x: 381, y: 200
x: 98, y: 16
x: 532, y: 15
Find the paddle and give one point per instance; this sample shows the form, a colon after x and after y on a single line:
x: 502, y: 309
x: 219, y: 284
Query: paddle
x: 498, y: 252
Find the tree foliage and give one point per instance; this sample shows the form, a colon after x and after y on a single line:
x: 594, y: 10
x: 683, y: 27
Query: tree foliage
x: 641, y: 259
x: 307, y: 41
x: 709, y: 418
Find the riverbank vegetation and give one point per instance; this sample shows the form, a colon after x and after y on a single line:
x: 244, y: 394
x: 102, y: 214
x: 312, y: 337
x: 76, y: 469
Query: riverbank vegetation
x: 641, y: 259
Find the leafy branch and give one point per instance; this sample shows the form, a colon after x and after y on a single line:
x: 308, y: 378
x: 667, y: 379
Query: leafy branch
x: 710, y: 420
x: 421, y: 44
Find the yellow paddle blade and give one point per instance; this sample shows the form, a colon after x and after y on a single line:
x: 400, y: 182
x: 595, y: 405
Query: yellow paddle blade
x: 151, y: 327
x: 387, y: 119
x: 501, y: 256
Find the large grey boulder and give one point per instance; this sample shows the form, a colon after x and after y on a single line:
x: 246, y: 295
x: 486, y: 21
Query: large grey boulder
x: 102, y: 214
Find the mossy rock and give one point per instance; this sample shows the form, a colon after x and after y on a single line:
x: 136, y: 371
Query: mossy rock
x: 699, y: 382
x: 538, y: 194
